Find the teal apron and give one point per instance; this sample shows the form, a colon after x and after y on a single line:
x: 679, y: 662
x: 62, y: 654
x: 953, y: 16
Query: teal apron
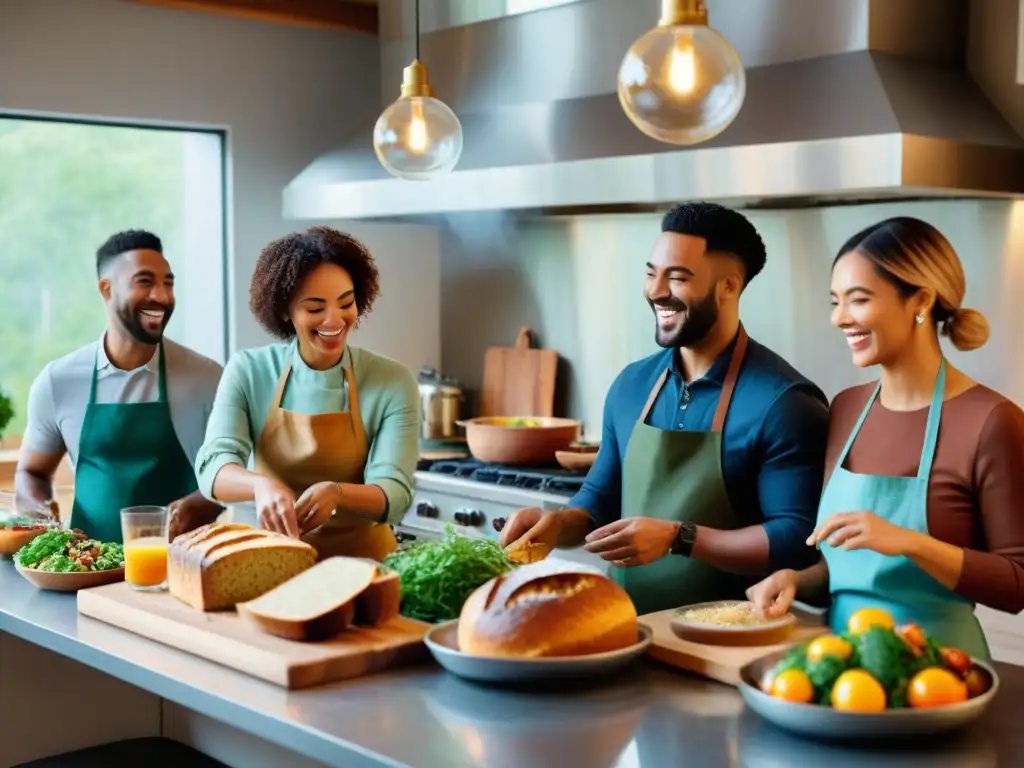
x: 676, y: 475
x: 128, y: 455
x: 866, y: 579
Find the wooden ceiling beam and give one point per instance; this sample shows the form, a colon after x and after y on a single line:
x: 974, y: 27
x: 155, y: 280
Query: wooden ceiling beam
x: 336, y: 14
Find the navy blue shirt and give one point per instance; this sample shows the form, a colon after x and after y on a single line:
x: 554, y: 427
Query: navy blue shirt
x: 773, y: 443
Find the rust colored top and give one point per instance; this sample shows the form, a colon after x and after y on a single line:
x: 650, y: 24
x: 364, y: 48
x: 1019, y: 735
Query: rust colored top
x: 976, y: 489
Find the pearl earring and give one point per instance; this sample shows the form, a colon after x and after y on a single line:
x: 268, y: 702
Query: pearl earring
x: 919, y: 319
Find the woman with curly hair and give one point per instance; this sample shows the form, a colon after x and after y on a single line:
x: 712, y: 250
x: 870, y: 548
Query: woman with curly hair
x: 331, y: 429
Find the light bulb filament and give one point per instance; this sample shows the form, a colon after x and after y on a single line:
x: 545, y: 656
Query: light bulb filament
x: 418, y: 139
x: 682, y: 67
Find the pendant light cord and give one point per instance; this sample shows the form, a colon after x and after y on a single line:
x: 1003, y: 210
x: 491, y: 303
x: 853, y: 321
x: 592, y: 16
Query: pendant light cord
x: 417, y: 30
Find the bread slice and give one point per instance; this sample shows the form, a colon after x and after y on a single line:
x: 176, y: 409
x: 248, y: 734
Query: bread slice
x: 218, y: 565
x: 529, y: 552
x: 317, y: 604
x: 379, y: 602
x: 550, y: 608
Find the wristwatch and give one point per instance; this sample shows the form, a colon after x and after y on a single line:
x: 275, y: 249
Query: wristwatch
x: 683, y: 543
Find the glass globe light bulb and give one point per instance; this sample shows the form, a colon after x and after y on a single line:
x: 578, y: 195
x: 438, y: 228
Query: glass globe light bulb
x: 418, y: 137
x: 682, y: 83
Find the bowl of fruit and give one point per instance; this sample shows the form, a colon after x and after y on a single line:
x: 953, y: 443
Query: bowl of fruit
x: 876, y: 680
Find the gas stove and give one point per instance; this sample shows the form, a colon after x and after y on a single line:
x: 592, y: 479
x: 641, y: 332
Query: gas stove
x: 477, y: 498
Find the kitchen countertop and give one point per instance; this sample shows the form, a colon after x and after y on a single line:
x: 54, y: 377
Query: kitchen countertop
x: 649, y: 716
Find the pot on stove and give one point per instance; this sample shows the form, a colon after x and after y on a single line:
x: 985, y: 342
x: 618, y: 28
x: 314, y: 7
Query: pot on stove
x: 440, y: 401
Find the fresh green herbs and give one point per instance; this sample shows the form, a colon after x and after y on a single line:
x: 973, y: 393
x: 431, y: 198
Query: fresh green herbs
x: 61, y: 551
x: 437, y: 577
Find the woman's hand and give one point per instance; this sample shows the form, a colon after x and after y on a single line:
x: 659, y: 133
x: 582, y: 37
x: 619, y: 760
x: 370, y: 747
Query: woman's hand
x: 773, y: 596
x: 863, y: 530
x: 316, y: 505
x: 275, y: 507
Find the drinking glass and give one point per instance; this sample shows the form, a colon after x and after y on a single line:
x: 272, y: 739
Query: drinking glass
x: 144, y: 531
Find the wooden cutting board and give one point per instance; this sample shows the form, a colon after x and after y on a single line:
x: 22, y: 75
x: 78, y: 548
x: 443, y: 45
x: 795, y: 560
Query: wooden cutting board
x: 718, y: 662
x: 519, y: 381
x: 226, y: 638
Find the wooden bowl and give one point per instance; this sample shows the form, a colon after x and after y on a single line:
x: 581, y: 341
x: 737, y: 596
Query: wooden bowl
x: 12, y: 541
x: 770, y: 632
x: 69, y: 582
x: 575, y: 461
x: 519, y: 440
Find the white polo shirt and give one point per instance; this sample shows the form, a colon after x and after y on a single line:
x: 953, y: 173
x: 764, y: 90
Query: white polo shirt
x: 60, y: 394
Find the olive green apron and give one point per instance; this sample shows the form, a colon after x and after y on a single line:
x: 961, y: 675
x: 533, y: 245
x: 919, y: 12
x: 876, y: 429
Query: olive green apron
x: 128, y: 455
x: 677, y: 475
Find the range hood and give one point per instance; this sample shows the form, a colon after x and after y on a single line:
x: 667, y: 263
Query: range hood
x: 847, y: 100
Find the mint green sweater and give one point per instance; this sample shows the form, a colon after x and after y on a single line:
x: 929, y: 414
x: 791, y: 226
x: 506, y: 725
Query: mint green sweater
x: 388, y: 402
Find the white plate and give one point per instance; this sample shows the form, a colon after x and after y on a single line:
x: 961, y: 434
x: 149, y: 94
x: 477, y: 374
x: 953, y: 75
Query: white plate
x: 443, y: 642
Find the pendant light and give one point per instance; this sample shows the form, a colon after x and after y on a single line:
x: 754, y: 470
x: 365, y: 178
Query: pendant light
x: 418, y: 137
x: 682, y: 82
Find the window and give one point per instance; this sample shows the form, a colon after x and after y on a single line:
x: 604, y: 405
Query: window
x: 67, y: 186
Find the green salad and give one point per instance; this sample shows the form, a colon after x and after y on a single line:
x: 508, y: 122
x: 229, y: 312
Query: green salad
x: 61, y: 551
x: 437, y: 577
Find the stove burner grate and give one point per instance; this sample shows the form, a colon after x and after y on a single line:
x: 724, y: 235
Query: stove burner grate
x: 543, y: 479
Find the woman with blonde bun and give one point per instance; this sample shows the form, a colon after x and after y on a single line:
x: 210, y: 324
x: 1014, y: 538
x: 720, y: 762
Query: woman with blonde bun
x: 921, y: 512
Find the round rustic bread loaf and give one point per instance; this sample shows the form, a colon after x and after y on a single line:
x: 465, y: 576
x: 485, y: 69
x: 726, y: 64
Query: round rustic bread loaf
x: 550, y: 608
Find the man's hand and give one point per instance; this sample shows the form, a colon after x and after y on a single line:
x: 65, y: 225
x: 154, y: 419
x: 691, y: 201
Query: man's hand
x: 190, y: 513
x: 633, y: 540
x: 532, y: 525
x: 316, y: 505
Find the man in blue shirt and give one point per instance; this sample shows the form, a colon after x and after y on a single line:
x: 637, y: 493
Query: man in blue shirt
x: 712, y: 455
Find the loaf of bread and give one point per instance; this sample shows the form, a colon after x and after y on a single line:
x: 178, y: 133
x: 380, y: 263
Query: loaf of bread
x: 317, y: 604
x: 549, y: 608
x: 218, y: 565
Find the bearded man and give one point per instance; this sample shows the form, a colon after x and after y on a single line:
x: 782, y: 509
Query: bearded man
x: 712, y: 454
x: 129, y: 410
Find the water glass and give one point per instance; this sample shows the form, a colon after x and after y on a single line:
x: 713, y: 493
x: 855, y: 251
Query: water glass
x: 144, y: 531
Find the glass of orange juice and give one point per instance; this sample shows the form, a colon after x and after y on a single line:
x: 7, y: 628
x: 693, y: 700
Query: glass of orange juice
x: 144, y: 531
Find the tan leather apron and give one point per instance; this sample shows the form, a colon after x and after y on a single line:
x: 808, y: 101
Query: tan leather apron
x: 301, y: 450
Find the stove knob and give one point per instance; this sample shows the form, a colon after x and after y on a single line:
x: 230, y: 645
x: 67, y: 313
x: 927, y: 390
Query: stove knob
x: 460, y: 518
x: 476, y: 517
x: 498, y: 523
x: 426, y: 509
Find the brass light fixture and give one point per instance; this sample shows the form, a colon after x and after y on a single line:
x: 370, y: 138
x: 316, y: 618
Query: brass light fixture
x: 418, y: 137
x: 682, y: 82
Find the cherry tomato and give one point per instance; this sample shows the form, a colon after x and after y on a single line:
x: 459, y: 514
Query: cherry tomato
x: 956, y: 660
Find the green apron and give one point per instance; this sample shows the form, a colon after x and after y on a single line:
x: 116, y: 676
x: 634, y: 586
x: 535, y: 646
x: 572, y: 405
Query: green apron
x: 866, y: 579
x: 128, y: 455
x: 676, y: 475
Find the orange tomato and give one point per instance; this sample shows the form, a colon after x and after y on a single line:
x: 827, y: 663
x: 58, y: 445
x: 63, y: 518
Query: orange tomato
x: 828, y: 645
x: 866, y: 618
x: 793, y: 685
x: 857, y: 691
x: 935, y: 687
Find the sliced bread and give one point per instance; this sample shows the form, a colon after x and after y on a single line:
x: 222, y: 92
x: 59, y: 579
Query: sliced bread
x: 217, y: 566
x: 379, y: 602
x: 317, y: 604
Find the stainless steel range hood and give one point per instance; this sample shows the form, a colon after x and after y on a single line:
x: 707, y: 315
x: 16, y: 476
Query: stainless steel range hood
x: 847, y: 100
